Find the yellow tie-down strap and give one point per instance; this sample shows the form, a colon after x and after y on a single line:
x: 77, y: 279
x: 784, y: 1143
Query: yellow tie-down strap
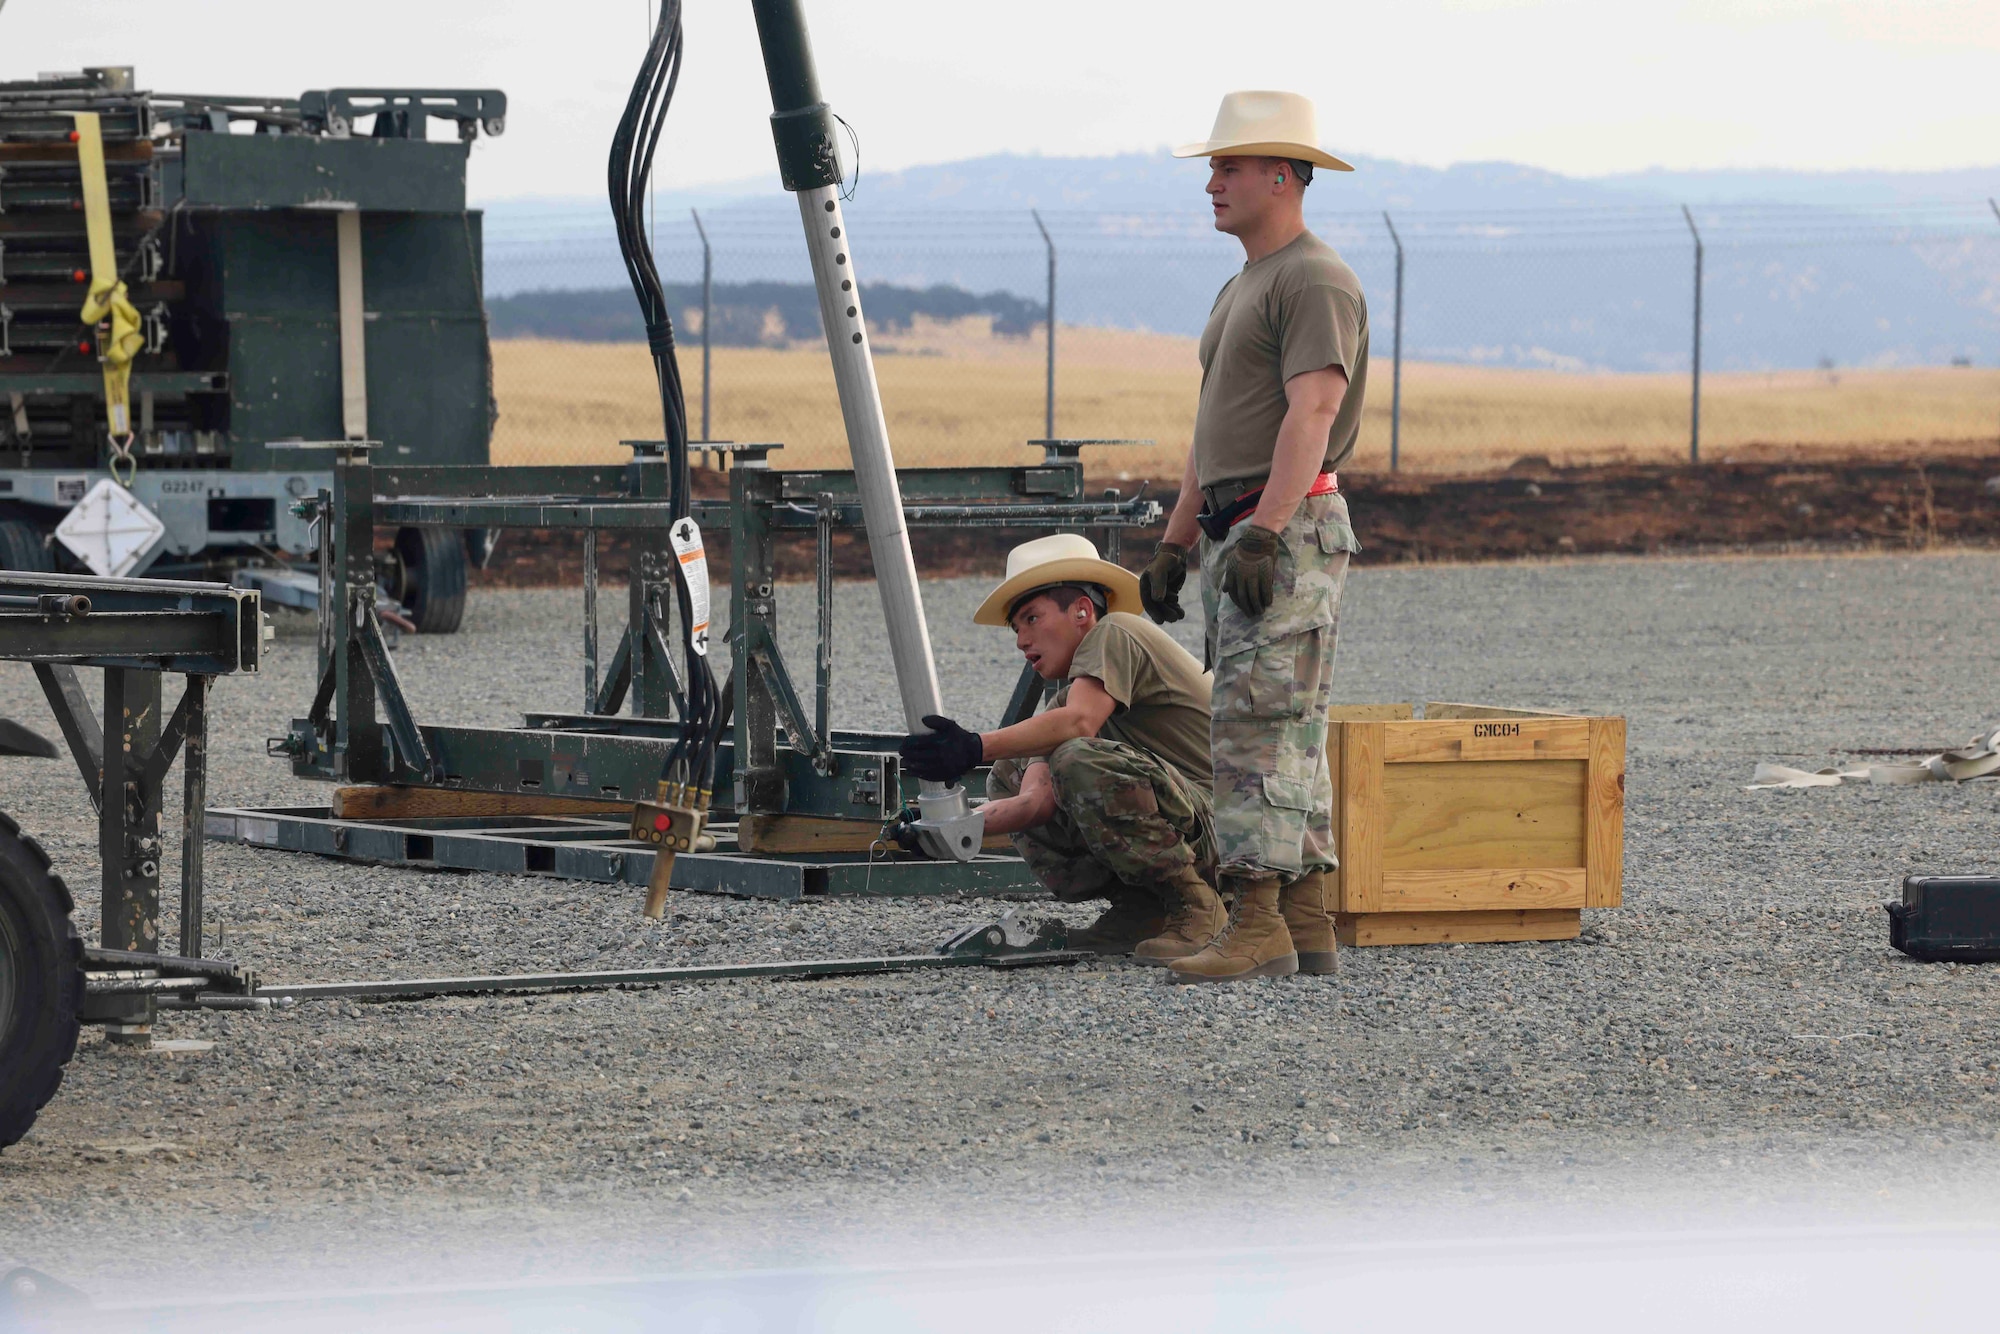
x: 107, y: 302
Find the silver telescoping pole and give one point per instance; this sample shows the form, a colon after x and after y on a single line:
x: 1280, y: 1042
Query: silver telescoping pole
x: 802, y: 128
x: 948, y: 828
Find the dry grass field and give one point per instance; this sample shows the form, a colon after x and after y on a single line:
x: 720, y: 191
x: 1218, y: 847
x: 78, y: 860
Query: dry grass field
x: 957, y: 394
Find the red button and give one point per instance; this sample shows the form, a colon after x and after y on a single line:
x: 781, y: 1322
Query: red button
x: 79, y: 276
x: 660, y: 822
x: 83, y: 347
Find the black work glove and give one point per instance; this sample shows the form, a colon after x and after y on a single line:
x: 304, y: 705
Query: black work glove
x: 943, y: 753
x: 1250, y: 571
x: 1160, y: 582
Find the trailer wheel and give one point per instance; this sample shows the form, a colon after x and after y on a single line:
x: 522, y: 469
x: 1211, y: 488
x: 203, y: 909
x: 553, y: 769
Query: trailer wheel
x: 22, y: 548
x: 433, y: 578
x: 41, y: 981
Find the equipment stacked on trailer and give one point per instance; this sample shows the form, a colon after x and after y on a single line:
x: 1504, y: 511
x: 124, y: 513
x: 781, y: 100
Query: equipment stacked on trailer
x: 193, y: 287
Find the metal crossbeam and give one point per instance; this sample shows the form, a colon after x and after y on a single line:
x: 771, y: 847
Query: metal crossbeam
x: 158, y: 625
x: 597, y: 850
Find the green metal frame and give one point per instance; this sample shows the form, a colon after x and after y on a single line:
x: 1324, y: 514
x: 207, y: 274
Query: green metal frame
x: 781, y: 756
x: 136, y: 631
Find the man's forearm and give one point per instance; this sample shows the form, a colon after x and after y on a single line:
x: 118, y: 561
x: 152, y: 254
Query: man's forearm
x: 1035, y: 736
x: 1035, y: 804
x: 1181, y: 525
x: 1295, y: 463
x: 1010, y: 815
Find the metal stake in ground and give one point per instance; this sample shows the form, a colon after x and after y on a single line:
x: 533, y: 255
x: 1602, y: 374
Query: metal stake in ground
x: 803, y: 126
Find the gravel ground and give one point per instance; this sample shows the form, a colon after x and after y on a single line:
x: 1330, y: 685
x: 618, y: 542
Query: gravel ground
x: 1739, y: 1029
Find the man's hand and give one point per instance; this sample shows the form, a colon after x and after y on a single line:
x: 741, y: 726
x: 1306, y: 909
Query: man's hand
x: 944, y: 753
x: 1250, y: 572
x: 1160, y: 582
x: 902, y: 831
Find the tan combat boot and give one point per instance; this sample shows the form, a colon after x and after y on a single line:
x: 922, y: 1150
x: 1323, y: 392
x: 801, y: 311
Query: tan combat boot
x: 1255, y: 945
x: 1194, y: 915
x: 1134, y: 915
x: 1309, y: 919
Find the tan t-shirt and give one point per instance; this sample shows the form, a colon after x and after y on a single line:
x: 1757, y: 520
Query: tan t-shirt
x: 1297, y: 309
x: 1161, y: 692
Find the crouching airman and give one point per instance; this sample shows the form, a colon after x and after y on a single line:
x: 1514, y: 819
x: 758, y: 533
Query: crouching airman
x: 1106, y: 794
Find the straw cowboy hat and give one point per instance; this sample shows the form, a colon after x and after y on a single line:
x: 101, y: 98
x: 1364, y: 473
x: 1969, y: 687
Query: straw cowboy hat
x: 1265, y: 124
x: 1063, y: 558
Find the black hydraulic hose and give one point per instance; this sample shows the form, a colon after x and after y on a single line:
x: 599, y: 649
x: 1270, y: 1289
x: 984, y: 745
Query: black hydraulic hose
x: 692, y: 758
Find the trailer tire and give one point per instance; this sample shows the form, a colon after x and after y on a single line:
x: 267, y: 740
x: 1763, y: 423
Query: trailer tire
x: 22, y: 548
x: 433, y: 578
x: 41, y: 981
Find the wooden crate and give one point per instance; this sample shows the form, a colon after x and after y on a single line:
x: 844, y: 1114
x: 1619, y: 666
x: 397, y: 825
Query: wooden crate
x: 1474, y: 823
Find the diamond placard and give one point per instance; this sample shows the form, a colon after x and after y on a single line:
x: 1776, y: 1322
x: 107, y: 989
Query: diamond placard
x: 109, y: 530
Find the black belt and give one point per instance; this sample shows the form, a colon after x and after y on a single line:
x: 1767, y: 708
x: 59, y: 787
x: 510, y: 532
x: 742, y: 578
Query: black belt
x: 1216, y: 520
x: 1217, y: 523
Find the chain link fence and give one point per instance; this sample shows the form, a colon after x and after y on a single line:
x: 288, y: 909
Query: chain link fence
x: 1649, y: 334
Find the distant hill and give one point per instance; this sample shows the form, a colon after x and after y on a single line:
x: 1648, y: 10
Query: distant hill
x: 1155, y: 182
x: 1505, y: 264
x: 760, y: 314
x: 1819, y: 189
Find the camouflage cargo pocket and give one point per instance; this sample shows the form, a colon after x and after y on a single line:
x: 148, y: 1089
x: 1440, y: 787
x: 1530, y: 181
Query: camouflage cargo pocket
x: 1313, y: 552
x: 1287, y: 794
x: 1336, y: 534
x: 1272, y: 681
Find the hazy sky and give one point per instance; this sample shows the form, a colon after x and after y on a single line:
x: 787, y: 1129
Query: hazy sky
x: 1583, y: 88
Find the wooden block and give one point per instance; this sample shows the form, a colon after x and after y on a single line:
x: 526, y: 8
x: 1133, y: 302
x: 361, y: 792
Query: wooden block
x: 1441, y: 709
x: 1432, y: 928
x: 804, y: 833
x: 1482, y: 889
x: 418, y: 803
x: 818, y: 833
x: 1360, y: 831
x: 1430, y: 742
x: 1371, y: 713
x: 1604, y: 814
x: 1451, y: 816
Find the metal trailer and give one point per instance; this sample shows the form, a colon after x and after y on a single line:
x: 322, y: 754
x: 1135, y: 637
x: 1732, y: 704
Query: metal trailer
x: 136, y: 631
x: 781, y: 760
x: 300, y: 282
x: 51, y: 983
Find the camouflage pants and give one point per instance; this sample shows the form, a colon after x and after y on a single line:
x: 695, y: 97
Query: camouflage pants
x: 1273, y: 684
x: 1124, y: 819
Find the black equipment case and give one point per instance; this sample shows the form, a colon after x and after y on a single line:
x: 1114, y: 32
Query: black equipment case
x: 1947, y: 918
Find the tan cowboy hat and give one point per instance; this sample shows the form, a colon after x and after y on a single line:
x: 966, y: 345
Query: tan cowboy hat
x: 1062, y: 558
x: 1265, y: 124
